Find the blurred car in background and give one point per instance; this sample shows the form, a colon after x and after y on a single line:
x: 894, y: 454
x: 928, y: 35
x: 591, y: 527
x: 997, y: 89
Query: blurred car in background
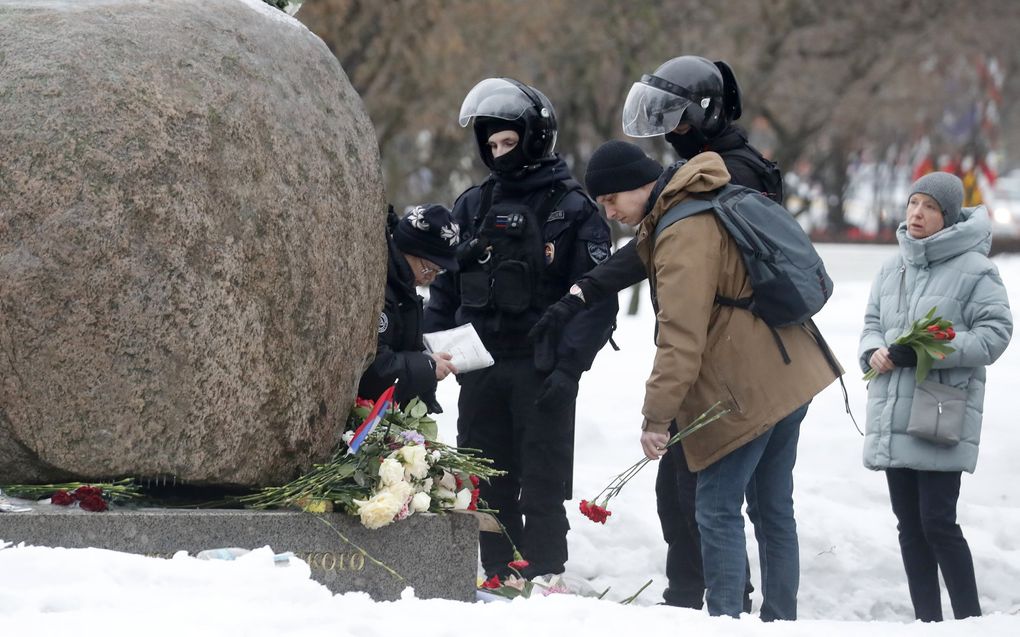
x: 1003, y: 203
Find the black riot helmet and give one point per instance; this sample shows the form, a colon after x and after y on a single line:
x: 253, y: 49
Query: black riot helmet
x: 523, y: 107
x: 687, y: 89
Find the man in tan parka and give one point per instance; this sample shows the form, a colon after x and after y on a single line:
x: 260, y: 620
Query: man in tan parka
x: 705, y: 353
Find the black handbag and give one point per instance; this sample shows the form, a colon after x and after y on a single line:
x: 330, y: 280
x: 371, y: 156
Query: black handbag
x: 937, y: 413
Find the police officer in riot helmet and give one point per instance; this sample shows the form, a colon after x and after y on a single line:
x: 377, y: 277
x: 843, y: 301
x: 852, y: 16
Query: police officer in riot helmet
x: 527, y: 232
x: 692, y: 102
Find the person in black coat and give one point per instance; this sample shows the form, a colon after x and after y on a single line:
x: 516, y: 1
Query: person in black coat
x: 527, y: 232
x: 692, y: 102
x: 422, y: 245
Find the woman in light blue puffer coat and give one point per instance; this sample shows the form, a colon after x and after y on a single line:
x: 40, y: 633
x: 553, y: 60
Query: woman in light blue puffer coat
x: 943, y: 262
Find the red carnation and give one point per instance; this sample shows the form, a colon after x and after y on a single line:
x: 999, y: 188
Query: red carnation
x: 492, y: 582
x: 61, y: 497
x: 519, y: 565
x: 93, y: 503
x: 474, y: 480
x: 473, y: 506
x: 594, y: 512
x: 364, y: 402
x: 458, y: 482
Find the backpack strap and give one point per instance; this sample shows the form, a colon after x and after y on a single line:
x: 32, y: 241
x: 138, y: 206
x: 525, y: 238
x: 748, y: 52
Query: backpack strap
x: 695, y: 206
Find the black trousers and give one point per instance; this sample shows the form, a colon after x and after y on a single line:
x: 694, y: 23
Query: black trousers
x: 930, y: 540
x: 675, y: 488
x: 498, y: 416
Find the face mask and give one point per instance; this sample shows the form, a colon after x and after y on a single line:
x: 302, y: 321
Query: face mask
x: 510, y: 162
x: 689, y: 144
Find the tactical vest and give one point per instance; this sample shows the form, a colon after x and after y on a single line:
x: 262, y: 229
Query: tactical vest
x: 514, y: 275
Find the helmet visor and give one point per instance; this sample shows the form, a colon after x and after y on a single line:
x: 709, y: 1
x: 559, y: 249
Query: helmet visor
x: 651, y: 111
x: 494, y: 97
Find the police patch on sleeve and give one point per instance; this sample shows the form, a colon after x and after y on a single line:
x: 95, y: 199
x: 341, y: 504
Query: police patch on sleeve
x: 598, y: 250
x: 384, y: 322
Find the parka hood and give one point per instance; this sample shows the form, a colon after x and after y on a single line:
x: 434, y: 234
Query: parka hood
x: 972, y: 233
x: 704, y: 173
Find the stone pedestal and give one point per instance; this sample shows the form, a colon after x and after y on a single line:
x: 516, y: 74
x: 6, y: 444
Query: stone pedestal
x: 435, y: 554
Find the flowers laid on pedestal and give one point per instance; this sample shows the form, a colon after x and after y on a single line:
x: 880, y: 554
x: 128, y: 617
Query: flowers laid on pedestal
x: 93, y: 497
x: 387, y: 468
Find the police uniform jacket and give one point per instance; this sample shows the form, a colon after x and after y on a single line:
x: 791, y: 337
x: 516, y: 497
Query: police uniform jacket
x: 570, y: 236
x: 399, y: 349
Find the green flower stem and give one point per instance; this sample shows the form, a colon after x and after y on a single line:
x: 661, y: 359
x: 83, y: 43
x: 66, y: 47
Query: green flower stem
x: 361, y: 550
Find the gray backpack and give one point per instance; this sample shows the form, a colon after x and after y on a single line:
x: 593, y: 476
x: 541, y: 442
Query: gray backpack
x: 788, y: 279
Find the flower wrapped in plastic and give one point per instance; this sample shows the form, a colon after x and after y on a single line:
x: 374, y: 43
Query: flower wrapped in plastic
x: 388, y: 471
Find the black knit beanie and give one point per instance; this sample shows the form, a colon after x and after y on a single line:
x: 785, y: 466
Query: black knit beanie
x: 429, y: 232
x: 618, y: 166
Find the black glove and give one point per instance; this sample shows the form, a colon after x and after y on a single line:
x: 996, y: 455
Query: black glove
x: 470, y: 251
x: 903, y: 355
x: 559, y: 388
x: 546, y: 332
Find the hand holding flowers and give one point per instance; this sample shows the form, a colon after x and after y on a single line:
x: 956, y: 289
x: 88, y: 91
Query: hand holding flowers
x: 595, y: 509
x: 928, y: 337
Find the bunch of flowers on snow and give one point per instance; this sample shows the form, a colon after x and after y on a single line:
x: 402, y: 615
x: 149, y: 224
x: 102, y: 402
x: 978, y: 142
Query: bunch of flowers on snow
x: 929, y: 338
x: 597, y: 510
x: 399, y: 469
x: 90, y: 497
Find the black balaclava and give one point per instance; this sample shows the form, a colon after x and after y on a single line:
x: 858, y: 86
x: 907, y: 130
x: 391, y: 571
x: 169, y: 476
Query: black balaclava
x: 689, y: 144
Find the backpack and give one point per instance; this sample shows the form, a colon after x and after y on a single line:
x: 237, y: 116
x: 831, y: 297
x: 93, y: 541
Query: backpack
x: 788, y: 279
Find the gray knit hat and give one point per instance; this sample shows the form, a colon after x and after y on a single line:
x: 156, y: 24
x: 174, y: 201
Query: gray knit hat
x: 946, y: 189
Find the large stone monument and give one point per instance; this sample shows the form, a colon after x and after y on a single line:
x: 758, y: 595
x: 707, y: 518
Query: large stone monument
x: 191, y: 242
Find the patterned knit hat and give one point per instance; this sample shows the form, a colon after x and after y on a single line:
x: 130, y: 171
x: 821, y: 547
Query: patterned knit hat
x: 429, y: 232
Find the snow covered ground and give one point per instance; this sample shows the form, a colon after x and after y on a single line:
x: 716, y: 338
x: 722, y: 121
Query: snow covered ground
x: 852, y: 580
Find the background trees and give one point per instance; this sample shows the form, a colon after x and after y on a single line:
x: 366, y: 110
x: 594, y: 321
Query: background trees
x: 830, y: 89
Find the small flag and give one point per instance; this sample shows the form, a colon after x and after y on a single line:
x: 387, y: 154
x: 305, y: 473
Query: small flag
x: 382, y: 405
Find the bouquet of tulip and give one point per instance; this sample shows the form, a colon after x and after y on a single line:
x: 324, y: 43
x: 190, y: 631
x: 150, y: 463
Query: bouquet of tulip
x: 398, y: 469
x: 929, y: 338
x: 595, y: 509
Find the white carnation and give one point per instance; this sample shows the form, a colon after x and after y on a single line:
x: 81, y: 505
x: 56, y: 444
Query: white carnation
x: 379, y: 510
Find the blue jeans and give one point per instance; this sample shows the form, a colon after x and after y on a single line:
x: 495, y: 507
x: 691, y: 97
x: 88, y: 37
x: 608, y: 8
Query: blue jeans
x: 763, y: 471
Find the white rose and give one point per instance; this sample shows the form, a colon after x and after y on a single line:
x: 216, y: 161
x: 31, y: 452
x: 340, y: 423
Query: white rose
x: 414, y: 457
x: 391, y: 471
x: 401, y: 491
x: 421, y: 502
x: 379, y: 510
x: 463, y: 499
